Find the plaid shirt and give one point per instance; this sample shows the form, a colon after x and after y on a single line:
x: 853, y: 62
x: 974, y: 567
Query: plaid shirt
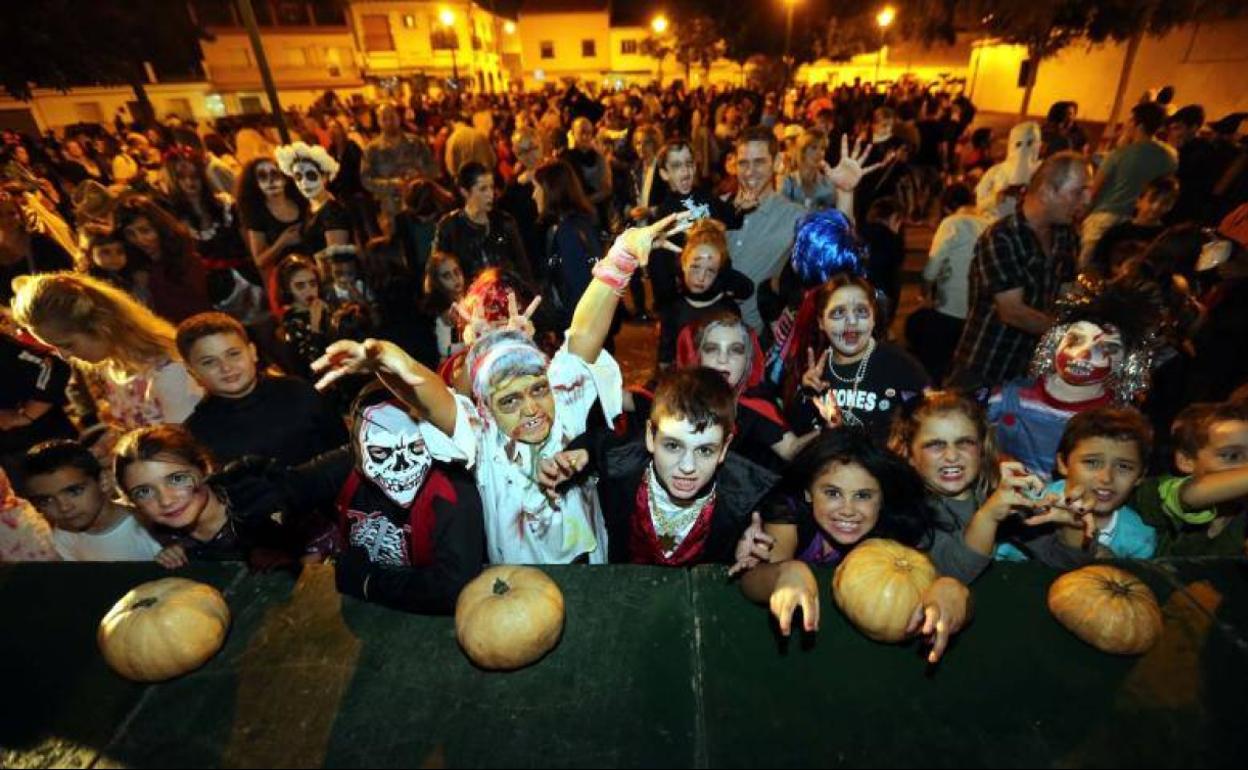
x: 1009, y: 256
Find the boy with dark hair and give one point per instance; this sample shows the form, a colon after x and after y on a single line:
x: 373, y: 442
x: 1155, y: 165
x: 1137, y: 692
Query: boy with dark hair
x: 1151, y: 208
x: 1102, y: 458
x: 681, y: 498
x: 1201, y: 512
x: 244, y: 412
x: 63, y: 481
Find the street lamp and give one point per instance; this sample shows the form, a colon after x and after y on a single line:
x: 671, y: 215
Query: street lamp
x: 509, y: 28
x: 659, y: 25
x: 447, y: 17
x: 788, y: 25
x: 885, y: 20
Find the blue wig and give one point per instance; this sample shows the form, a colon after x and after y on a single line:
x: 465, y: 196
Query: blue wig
x: 824, y: 244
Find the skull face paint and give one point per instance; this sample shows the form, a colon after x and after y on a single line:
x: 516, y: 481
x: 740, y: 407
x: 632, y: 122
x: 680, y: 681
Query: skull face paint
x: 848, y: 321
x: 393, y: 454
x: 271, y: 181
x: 309, y: 179
x: 1089, y: 354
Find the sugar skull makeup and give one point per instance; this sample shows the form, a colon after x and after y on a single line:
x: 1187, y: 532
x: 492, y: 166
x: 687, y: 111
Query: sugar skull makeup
x: 270, y: 179
x: 308, y: 178
x: 1089, y: 354
x: 392, y: 451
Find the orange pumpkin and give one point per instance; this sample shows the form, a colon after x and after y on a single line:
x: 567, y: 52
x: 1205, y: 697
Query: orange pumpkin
x: 164, y: 629
x: 508, y: 617
x: 879, y: 585
x: 1107, y: 607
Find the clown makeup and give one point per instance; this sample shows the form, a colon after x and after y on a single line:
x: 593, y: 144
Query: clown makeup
x: 726, y: 349
x: 848, y: 321
x: 1088, y: 354
x: 1106, y: 468
x: 679, y: 170
x: 309, y: 179
x: 701, y: 267
x: 271, y: 180
x: 168, y: 492
x: 846, y: 499
x: 685, y: 458
x: 946, y: 451
x: 68, y: 497
x: 524, y: 408
x: 304, y: 288
x: 393, y: 454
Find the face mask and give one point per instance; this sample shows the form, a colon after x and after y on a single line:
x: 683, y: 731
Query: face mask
x: 392, y: 452
x: 1088, y: 354
x: 1023, y: 156
x: 309, y: 179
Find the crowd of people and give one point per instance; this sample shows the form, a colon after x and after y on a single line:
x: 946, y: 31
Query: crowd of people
x: 389, y: 342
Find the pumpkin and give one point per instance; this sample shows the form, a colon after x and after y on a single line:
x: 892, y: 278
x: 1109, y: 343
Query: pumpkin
x: 879, y: 585
x: 508, y: 617
x: 1107, y: 607
x: 164, y: 629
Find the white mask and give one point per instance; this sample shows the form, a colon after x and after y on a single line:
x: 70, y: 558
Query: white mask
x: 392, y: 451
x: 309, y: 179
x: 1023, y: 156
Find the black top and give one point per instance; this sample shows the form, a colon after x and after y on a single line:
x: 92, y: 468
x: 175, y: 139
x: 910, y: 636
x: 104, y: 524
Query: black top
x: 347, y: 181
x: 892, y: 378
x: 730, y: 287
x: 517, y: 200
x: 262, y: 220
x: 283, y: 418
x: 332, y: 216
x: 32, y: 375
x: 664, y: 268
x: 497, y: 244
x: 46, y: 256
x: 886, y: 253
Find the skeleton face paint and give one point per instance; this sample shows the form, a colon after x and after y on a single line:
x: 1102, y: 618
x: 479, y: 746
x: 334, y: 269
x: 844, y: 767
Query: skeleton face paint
x: 309, y: 179
x: 271, y: 181
x: 392, y: 452
x: 848, y: 321
x: 726, y: 349
x: 1089, y: 354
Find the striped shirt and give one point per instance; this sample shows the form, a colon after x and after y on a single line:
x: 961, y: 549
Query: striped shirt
x: 1009, y: 256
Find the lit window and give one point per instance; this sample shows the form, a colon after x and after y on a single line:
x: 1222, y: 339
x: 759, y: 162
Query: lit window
x: 589, y: 49
x: 548, y: 49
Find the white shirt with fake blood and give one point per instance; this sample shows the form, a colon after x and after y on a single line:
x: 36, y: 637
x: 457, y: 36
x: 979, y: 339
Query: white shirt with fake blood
x: 521, y: 525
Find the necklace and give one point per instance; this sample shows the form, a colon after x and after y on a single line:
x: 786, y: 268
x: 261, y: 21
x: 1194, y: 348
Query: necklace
x: 847, y: 411
x: 672, y: 522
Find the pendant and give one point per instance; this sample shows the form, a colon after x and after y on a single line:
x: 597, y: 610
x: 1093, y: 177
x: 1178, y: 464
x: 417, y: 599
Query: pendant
x: 667, y: 541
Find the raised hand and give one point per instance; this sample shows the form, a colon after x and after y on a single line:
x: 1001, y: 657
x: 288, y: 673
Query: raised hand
x: 813, y: 378
x: 850, y: 171
x: 753, y: 548
x: 641, y: 240
x: 347, y: 357
x: 522, y: 322
x: 829, y: 411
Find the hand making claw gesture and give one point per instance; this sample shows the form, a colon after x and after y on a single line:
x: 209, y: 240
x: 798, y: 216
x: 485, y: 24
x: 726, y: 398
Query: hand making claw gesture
x: 640, y: 240
x: 1073, y: 509
x: 850, y: 171
x: 347, y: 357
x: 754, y: 547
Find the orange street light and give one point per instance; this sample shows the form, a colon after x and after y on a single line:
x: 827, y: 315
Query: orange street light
x: 885, y: 17
x: 510, y: 28
x: 659, y: 25
x: 446, y: 16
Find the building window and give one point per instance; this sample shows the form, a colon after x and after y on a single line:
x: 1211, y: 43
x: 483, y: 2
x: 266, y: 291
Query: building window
x: 292, y: 13
x: 88, y: 112
x: 628, y: 47
x: 377, y: 35
x: 589, y: 49
x: 548, y: 49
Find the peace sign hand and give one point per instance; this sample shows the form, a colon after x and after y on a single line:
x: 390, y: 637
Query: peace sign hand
x: 813, y: 377
x: 640, y: 240
x: 522, y: 322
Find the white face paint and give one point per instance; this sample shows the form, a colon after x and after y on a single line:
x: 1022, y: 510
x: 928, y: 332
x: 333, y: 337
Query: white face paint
x: 1088, y: 353
x: 726, y: 349
x: 270, y: 179
x: 848, y: 321
x: 308, y: 178
x: 1023, y: 153
x: 393, y: 454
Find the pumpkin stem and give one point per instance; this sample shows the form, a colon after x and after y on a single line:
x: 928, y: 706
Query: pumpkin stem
x: 500, y: 587
x: 150, y: 601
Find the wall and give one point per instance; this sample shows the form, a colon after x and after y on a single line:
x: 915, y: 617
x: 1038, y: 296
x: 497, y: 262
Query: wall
x: 1205, y: 64
x: 905, y: 58
x: 566, y: 30
x: 313, y: 58
x: 53, y: 110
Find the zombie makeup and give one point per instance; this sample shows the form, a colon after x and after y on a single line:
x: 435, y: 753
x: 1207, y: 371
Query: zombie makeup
x: 309, y: 179
x: 848, y: 321
x: 946, y: 451
x: 701, y: 268
x: 392, y: 451
x: 1088, y: 354
x: 847, y: 500
x: 450, y: 279
x: 524, y: 408
x: 727, y: 350
x: 685, y: 458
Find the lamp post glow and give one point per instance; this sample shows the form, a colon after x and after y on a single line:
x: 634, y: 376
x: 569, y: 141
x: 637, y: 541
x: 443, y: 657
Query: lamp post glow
x: 447, y: 17
x: 659, y: 25
x: 509, y: 28
x: 884, y: 19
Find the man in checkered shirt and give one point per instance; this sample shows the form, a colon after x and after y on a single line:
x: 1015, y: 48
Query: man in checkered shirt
x: 1019, y: 266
